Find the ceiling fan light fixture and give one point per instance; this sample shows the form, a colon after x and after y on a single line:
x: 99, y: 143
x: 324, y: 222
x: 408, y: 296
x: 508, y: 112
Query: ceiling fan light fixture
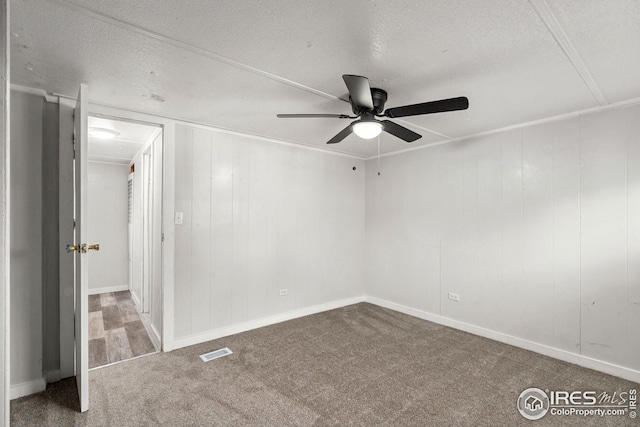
x: 102, y: 133
x: 367, y: 129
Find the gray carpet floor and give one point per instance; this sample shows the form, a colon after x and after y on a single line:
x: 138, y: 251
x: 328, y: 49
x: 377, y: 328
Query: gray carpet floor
x: 358, y: 365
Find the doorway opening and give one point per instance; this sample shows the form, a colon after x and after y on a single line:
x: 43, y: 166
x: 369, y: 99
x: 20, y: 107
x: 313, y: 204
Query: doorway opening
x: 124, y: 216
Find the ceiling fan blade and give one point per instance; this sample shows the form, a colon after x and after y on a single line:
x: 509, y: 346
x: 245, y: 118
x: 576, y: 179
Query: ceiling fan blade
x: 452, y: 104
x: 400, y: 131
x: 314, y: 116
x: 359, y: 90
x: 341, y: 135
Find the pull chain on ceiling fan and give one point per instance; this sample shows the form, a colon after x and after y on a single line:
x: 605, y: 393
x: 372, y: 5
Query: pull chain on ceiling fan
x: 367, y: 104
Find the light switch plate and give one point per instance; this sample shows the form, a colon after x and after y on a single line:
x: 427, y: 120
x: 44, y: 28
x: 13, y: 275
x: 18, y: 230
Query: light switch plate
x: 179, y: 218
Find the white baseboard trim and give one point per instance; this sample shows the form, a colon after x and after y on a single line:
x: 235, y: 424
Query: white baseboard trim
x: 154, y: 336
x: 259, y: 323
x: 30, y: 387
x: 576, y: 359
x: 53, y: 376
x: 136, y: 301
x: 108, y: 289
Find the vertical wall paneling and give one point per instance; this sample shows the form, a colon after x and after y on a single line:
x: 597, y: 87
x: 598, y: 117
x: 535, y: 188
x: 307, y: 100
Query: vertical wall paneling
x: 604, y: 235
x: 414, y: 232
x: 259, y: 189
x: 489, y: 199
x: 240, y: 191
x: 537, y: 234
x: 538, y: 231
x: 260, y: 217
x: 566, y: 234
x: 182, y: 233
x: 204, y: 201
x: 469, y: 291
x: 51, y: 247
x: 283, y: 243
x: 431, y: 220
x: 307, y: 181
x: 631, y: 358
x: 452, y: 244
x: 379, y: 224
x: 219, y: 154
x: 26, y: 241
x: 511, y: 234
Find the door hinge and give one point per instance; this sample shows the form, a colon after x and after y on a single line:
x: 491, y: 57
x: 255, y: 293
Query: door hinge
x: 162, y: 240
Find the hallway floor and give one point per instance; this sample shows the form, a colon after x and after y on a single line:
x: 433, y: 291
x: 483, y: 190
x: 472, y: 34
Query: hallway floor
x: 116, y: 332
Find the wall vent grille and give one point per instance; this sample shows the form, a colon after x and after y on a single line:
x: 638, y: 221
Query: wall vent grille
x: 215, y: 354
x: 130, y: 195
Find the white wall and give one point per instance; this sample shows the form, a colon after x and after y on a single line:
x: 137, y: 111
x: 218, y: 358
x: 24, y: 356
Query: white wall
x: 26, y: 243
x: 259, y: 217
x: 108, y: 220
x: 537, y: 230
x: 50, y: 243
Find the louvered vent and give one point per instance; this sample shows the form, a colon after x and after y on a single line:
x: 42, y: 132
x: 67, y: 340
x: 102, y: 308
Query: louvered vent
x: 130, y: 193
x: 215, y: 354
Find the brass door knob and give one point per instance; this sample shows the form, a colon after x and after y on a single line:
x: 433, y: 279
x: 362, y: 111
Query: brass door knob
x: 71, y: 248
x: 91, y: 247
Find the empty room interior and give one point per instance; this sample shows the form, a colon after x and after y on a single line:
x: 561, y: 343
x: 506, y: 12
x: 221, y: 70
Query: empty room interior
x: 321, y: 213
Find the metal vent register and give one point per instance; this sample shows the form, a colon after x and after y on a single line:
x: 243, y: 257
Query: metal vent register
x: 215, y: 354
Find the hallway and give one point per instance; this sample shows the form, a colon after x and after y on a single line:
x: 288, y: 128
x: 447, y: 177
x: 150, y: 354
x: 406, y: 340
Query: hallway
x: 116, y: 332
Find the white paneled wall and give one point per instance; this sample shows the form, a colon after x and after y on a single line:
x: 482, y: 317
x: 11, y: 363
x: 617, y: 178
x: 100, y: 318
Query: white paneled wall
x: 108, y: 226
x: 537, y: 230
x: 260, y: 217
x: 26, y: 244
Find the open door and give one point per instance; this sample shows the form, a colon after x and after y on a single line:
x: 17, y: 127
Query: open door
x: 80, y: 247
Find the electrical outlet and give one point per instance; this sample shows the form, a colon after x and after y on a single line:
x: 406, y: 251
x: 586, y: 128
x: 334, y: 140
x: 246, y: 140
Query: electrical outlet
x: 283, y: 292
x: 454, y: 297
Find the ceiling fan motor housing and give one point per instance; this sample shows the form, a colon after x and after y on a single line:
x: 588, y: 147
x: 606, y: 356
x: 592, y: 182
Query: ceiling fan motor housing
x: 378, y: 96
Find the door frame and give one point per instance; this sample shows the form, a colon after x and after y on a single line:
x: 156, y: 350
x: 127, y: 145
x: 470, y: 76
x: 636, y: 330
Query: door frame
x: 167, y: 225
x: 167, y: 203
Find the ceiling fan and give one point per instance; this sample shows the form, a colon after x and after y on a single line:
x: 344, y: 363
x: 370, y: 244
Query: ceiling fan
x: 367, y: 103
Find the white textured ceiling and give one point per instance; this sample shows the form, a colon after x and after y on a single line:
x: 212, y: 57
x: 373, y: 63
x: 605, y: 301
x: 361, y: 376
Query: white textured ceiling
x: 236, y: 64
x: 121, y: 149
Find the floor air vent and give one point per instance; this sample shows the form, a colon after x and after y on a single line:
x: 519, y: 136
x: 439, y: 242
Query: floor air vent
x: 215, y: 354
